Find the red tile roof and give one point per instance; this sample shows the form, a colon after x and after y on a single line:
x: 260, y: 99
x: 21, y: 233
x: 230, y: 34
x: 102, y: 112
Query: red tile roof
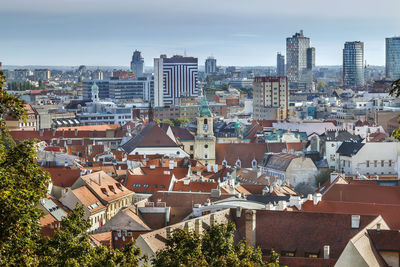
x: 363, y: 193
x: 63, y: 177
x: 148, y: 183
x: 302, y: 232
x: 385, y: 240
x: 87, y: 198
x: 194, y: 186
x: 245, y: 152
x: 390, y: 213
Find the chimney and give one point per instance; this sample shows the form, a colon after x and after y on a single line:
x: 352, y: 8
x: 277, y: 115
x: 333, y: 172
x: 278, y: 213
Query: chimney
x: 212, y: 219
x: 317, y: 198
x: 326, y: 252
x: 378, y: 228
x: 198, y: 226
x: 76, y: 131
x: 250, y: 227
x: 238, y: 212
x: 168, y: 231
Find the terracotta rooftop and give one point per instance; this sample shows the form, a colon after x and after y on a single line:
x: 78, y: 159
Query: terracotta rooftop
x: 390, y: 213
x: 63, y: 177
x: 88, y: 199
x: 385, y: 240
x: 302, y: 232
x: 194, y: 186
x: 102, y: 239
x: 148, y: 183
x: 126, y: 219
x: 105, y: 187
x: 363, y: 193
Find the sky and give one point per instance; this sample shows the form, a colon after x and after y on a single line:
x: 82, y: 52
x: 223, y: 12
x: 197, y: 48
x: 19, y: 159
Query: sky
x: 235, y: 32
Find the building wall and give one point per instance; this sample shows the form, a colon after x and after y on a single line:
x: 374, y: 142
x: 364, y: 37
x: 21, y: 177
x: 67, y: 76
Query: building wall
x: 301, y: 170
x: 353, y: 64
x: 270, y: 97
x: 391, y: 258
x: 393, y: 58
x: 177, y: 151
x: 204, y: 148
x: 369, y: 154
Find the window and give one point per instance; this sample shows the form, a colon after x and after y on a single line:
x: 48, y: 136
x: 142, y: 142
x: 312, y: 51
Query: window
x: 205, y: 121
x: 288, y: 253
x: 375, y: 163
x: 191, y: 148
x: 205, y: 146
x: 311, y: 255
x: 390, y: 163
x: 367, y: 163
x: 145, y: 185
x: 382, y: 163
x: 205, y: 156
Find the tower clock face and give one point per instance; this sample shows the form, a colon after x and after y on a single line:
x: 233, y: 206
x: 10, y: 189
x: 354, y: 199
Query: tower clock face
x: 205, y: 127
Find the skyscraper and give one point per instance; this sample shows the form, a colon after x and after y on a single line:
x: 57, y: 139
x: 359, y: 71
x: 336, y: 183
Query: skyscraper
x: 174, y: 78
x: 280, y: 65
x: 270, y: 98
x: 297, y: 52
x: 393, y: 58
x: 353, y: 64
x: 137, y: 63
x: 210, y: 65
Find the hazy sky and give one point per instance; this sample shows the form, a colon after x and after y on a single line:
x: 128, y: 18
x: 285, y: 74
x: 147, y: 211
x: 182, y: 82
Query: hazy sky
x: 236, y: 32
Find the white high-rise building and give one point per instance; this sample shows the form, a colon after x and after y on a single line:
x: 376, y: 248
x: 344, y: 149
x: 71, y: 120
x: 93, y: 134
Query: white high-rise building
x: 300, y: 59
x: 174, y: 78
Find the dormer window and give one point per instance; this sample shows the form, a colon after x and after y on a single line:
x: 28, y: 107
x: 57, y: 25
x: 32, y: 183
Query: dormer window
x: 104, y: 191
x: 112, y: 189
x: 239, y: 163
x: 288, y: 253
x: 254, y: 163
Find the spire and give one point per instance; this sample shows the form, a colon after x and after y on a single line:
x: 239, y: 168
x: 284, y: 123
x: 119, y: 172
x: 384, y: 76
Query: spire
x: 204, y: 109
x: 95, y: 92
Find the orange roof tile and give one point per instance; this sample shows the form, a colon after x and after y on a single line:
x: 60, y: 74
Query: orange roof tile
x: 87, y: 198
x: 63, y: 177
x: 194, y: 186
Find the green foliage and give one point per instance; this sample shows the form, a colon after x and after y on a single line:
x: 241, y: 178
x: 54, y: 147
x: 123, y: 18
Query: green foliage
x: 168, y: 122
x: 20, y: 86
x: 322, y: 177
x: 395, y: 91
x: 273, y: 259
x: 215, y: 247
x: 158, y: 121
x: 22, y: 185
x: 70, y: 246
x: 321, y: 85
x: 180, y: 121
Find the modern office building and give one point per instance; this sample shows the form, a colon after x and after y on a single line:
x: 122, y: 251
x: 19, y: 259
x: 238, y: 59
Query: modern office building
x: 137, y: 63
x: 270, y: 98
x: 120, y: 89
x: 97, y: 75
x: 280, y: 65
x: 174, y: 78
x: 353, y: 64
x: 22, y: 74
x: 393, y: 58
x: 299, y: 57
x: 210, y: 65
x: 42, y: 74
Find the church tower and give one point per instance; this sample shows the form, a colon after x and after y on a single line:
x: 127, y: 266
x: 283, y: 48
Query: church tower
x: 95, y: 92
x: 204, y: 141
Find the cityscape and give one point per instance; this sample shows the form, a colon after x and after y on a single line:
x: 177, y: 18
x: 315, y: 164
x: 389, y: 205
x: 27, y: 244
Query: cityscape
x: 177, y: 157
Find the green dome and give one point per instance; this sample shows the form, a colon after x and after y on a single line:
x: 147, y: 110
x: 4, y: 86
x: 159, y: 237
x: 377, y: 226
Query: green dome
x: 204, y: 110
x: 95, y: 88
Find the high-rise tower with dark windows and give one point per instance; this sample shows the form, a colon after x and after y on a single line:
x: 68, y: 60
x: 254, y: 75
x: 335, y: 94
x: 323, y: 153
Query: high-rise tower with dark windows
x: 393, y: 58
x: 353, y: 64
x: 280, y: 65
x: 137, y: 63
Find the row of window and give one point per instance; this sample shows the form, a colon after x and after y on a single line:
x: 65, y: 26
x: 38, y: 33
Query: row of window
x: 376, y: 163
x: 146, y: 186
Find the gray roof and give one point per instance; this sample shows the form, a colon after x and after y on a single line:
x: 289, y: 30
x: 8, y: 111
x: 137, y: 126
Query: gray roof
x: 53, y: 209
x: 340, y: 136
x: 349, y: 148
x: 277, y: 162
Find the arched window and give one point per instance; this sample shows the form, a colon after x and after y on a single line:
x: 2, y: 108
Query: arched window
x: 205, y: 121
x: 205, y: 146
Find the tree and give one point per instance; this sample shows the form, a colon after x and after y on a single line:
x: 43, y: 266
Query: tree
x: 70, y: 246
x: 22, y: 185
x: 322, y: 177
x: 395, y: 91
x: 168, y: 122
x: 215, y: 247
x: 180, y: 121
x: 321, y: 85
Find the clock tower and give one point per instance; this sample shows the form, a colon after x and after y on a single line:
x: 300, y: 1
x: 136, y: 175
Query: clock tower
x: 204, y: 141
